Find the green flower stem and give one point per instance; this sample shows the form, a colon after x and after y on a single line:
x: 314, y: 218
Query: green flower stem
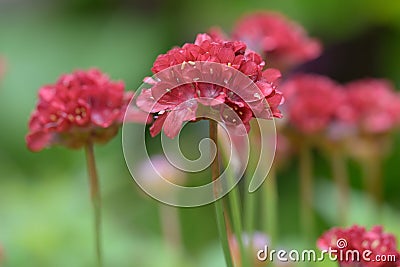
x: 373, y: 178
x: 339, y: 173
x: 270, y: 210
x: 250, y: 206
x: 95, y: 197
x: 250, y: 198
x: 219, y: 207
x: 235, y: 204
x: 306, y: 191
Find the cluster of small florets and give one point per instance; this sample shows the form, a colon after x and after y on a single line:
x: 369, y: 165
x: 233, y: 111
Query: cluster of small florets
x: 173, y: 106
x: 82, y: 106
x: 378, y: 244
x: 316, y: 103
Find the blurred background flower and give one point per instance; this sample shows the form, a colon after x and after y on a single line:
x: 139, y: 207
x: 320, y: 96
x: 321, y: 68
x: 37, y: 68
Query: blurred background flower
x: 373, y: 105
x: 313, y: 103
x: 254, y: 243
x: 283, y: 43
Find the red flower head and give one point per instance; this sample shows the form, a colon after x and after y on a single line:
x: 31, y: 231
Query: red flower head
x: 208, y: 59
x: 374, y: 248
x: 373, y: 105
x: 283, y: 43
x: 313, y: 102
x: 85, y: 106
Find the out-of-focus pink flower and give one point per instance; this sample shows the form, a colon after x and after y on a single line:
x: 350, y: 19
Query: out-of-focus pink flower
x: 373, y: 105
x: 312, y: 102
x: 379, y: 248
x: 157, y: 168
x: 253, y: 243
x: 282, y: 42
x: 81, y: 107
x: 172, y: 106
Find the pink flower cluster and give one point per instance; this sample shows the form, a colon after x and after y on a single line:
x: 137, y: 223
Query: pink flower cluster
x: 373, y: 105
x: 381, y: 246
x: 316, y: 104
x: 312, y: 102
x: 85, y: 106
x: 172, y: 105
x: 282, y: 42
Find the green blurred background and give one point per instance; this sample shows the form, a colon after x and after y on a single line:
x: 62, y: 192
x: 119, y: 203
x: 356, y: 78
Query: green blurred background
x: 45, y: 211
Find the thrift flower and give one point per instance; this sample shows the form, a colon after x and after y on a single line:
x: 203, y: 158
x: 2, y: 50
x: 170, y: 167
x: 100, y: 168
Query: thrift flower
x: 373, y: 105
x: 171, y: 106
x: 283, y: 43
x: 80, y: 107
x: 379, y: 248
x: 313, y: 102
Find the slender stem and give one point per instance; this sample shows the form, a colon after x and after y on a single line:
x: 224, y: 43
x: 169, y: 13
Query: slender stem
x: 235, y: 204
x: 250, y: 198
x: 234, y: 198
x: 270, y: 200
x: 95, y: 197
x: 219, y: 207
x: 306, y: 191
x: 250, y: 206
x: 234, y: 201
x: 171, y: 226
x: 339, y: 172
x: 373, y: 179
